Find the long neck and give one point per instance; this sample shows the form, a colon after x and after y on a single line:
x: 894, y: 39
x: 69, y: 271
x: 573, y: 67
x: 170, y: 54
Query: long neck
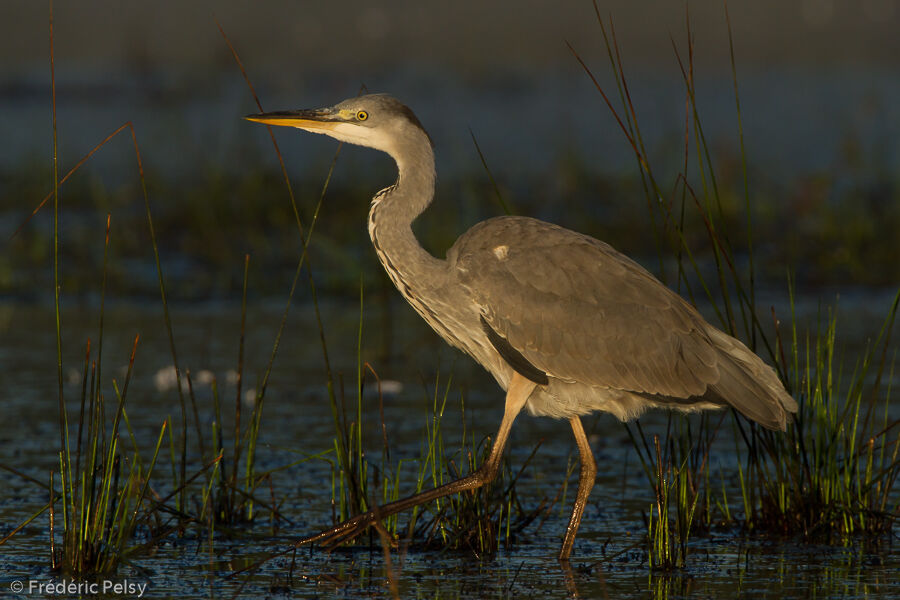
x: 412, y: 269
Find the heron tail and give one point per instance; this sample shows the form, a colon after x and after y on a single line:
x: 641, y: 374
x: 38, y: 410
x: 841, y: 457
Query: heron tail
x: 750, y: 385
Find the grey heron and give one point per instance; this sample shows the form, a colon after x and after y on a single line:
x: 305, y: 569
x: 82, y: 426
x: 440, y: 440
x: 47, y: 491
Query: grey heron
x: 565, y: 323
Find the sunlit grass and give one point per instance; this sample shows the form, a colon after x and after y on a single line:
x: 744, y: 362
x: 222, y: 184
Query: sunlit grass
x: 477, y: 521
x: 104, y: 488
x: 831, y: 476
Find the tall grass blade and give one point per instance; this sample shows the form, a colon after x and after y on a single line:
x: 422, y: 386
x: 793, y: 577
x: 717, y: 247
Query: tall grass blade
x: 503, y: 204
x: 240, y: 378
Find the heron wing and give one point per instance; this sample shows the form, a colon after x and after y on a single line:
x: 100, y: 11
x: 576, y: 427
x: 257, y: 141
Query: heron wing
x: 578, y: 310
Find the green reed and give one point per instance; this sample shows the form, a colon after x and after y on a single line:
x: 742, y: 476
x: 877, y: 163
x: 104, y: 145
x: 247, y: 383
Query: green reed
x: 677, y: 468
x: 103, y: 486
x: 229, y: 494
x: 832, y: 474
x: 104, y: 491
x: 476, y: 521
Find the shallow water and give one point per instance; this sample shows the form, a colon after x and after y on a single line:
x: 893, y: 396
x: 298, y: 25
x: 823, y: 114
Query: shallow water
x: 609, y: 559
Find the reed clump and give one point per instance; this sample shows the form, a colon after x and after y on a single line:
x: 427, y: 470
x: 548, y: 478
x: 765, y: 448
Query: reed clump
x: 480, y: 521
x: 105, y: 492
x: 477, y: 521
x: 831, y: 476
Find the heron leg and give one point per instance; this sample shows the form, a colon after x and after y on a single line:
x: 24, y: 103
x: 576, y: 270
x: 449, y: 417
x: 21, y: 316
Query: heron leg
x: 585, y: 483
x: 516, y: 395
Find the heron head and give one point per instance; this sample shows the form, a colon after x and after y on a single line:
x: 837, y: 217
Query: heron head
x: 376, y: 120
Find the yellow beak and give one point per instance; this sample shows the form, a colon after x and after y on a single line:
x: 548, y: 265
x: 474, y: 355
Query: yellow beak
x: 304, y: 119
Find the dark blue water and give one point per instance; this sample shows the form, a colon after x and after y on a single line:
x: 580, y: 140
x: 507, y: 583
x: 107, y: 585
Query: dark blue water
x: 609, y: 558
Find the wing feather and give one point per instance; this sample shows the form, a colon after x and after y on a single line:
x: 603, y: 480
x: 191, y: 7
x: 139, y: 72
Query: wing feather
x: 578, y: 310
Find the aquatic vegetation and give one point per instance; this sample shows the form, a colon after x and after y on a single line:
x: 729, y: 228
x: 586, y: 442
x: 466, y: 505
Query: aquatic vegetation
x: 100, y: 508
x: 105, y: 490
x: 831, y: 476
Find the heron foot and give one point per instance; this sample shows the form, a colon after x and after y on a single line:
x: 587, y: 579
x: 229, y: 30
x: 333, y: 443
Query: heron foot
x: 518, y: 392
x: 342, y: 532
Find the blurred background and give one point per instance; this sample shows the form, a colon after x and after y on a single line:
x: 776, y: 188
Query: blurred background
x: 820, y: 104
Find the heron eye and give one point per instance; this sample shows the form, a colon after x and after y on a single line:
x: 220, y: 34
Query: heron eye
x: 362, y: 115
